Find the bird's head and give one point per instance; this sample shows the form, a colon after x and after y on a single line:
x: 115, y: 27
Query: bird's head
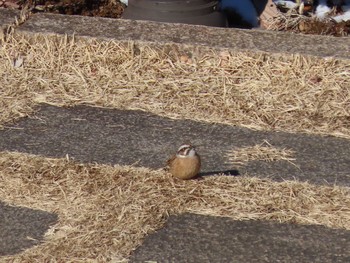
x: 186, y: 150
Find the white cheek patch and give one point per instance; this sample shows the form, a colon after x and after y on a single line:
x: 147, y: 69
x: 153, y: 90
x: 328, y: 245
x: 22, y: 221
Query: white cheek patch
x: 192, y: 153
x: 189, y: 153
x: 184, y: 146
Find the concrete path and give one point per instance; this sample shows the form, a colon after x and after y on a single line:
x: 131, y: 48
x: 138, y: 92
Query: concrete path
x: 197, y: 238
x: 180, y: 35
x: 137, y: 138
x: 107, y: 136
x: 21, y: 228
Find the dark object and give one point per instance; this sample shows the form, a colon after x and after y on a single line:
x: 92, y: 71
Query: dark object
x: 198, y: 12
x: 22, y: 228
x: 131, y: 137
x: 200, y: 238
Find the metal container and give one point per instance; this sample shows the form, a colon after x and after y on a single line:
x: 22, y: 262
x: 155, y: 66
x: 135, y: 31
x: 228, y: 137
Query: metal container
x: 198, y: 12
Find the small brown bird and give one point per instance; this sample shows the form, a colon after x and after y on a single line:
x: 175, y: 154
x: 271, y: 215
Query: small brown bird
x: 186, y: 163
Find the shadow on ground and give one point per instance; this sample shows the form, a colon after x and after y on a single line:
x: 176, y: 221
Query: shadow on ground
x: 22, y: 228
x: 112, y: 136
x: 197, y: 238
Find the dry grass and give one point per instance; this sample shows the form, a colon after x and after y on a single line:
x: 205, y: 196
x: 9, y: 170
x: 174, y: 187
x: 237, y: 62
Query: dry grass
x: 294, y: 22
x: 262, y: 152
x: 105, y: 212
x: 287, y: 93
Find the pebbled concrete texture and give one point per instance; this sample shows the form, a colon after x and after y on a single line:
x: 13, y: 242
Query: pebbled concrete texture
x: 7, y: 17
x: 123, y: 137
x: 197, y: 238
x: 22, y: 228
x: 193, y: 35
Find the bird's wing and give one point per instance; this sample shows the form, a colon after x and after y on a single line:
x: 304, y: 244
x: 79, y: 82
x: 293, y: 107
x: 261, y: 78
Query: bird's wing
x: 170, y: 160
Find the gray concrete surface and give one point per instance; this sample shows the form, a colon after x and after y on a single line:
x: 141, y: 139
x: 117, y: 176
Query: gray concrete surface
x: 161, y: 33
x: 7, y: 17
x: 137, y: 138
x: 22, y: 227
x: 197, y: 238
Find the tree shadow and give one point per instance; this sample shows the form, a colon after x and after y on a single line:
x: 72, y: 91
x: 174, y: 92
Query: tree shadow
x: 22, y: 228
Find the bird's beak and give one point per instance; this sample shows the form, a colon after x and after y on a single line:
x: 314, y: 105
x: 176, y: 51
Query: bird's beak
x: 196, y: 146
